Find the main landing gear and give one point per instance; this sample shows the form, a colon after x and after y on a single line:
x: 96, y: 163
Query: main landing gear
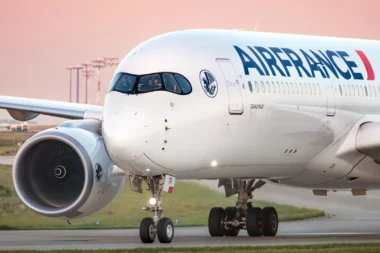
x: 229, y: 221
x: 157, y: 226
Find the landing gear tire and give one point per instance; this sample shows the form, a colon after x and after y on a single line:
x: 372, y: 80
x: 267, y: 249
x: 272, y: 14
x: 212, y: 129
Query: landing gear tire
x: 255, y: 222
x: 165, y: 230
x: 230, y: 215
x: 147, y: 230
x: 216, y: 221
x: 270, y: 221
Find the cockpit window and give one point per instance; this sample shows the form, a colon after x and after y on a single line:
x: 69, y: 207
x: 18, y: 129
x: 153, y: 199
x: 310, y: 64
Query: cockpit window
x: 125, y: 83
x: 150, y: 83
x: 171, y: 84
x: 164, y: 81
x: 185, y: 85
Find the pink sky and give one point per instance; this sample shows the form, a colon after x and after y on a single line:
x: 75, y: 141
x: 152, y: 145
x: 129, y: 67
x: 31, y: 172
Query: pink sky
x: 39, y: 38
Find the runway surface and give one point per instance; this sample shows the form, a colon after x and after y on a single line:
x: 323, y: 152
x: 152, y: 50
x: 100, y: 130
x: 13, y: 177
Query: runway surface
x: 325, y: 230
x: 7, y: 160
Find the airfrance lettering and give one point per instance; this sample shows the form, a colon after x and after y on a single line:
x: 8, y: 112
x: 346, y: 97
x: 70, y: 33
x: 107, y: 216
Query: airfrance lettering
x: 274, y: 61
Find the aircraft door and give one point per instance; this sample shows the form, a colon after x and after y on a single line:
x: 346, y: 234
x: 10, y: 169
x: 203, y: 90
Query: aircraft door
x: 235, y: 104
x: 330, y: 100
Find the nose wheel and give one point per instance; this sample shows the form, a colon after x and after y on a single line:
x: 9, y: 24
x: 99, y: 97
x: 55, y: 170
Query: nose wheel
x: 158, y: 226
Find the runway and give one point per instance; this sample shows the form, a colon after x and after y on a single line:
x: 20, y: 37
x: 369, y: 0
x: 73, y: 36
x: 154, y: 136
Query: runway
x: 6, y: 160
x: 324, y: 230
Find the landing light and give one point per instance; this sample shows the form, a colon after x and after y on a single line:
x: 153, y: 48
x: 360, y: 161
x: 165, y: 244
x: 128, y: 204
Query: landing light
x: 214, y: 163
x: 153, y: 201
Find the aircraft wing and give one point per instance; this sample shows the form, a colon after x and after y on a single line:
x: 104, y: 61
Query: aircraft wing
x: 24, y: 109
x: 368, y: 140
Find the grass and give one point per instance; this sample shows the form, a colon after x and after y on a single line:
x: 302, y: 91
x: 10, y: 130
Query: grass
x: 318, y: 248
x: 9, y: 141
x: 189, y: 204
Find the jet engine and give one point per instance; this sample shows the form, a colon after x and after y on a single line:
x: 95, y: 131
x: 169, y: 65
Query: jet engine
x: 66, y: 172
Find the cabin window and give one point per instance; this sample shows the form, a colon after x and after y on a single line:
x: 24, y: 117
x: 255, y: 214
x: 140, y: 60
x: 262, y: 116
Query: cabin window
x: 273, y: 87
x: 295, y: 88
x: 257, y: 87
x: 278, y: 87
x: 340, y: 89
x: 314, y: 89
x: 366, y: 92
x: 374, y: 91
x: 268, y: 87
x: 356, y: 90
x: 250, y: 86
x: 291, y: 88
x: 263, y: 87
x: 300, y: 88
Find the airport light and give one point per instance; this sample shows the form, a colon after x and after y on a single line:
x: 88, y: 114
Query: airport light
x: 99, y: 63
x: 77, y: 68
x: 87, y: 74
x: 86, y: 67
x: 70, y: 69
x: 111, y: 61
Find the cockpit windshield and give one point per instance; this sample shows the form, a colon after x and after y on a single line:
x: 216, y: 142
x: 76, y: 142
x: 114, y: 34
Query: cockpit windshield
x: 149, y: 83
x: 136, y: 84
x: 125, y: 83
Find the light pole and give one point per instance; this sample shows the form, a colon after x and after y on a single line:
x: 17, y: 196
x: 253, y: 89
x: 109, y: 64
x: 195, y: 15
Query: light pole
x: 70, y: 69
x: 77, y: 68
x: 87, y: 73
x: 86, y: 66
x: 111, y: 61
x: 99, y: 63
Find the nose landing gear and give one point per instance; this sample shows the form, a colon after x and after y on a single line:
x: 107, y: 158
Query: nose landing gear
x: 158, y: 226
x: 229, y: 221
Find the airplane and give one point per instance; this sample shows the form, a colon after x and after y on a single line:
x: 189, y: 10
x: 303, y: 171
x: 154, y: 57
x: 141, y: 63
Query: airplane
x: 5, y: 127
x: 246, y: 108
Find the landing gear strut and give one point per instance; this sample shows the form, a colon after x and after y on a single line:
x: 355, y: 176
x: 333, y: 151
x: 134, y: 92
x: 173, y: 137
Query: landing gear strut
x: 157, y: 226
x: 229, y: 221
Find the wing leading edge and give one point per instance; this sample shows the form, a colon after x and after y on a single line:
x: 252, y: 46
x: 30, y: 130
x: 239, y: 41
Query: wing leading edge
x: 24, y: 109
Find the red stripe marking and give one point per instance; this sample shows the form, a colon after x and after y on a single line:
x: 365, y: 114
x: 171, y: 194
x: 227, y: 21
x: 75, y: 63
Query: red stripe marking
x: 367, y: 65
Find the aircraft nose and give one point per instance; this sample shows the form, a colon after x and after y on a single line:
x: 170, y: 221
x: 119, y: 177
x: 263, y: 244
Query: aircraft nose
x: 124, y: 134
x: 132, y: 125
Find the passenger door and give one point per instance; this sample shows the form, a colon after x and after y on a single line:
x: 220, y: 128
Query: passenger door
x: 235, y: 105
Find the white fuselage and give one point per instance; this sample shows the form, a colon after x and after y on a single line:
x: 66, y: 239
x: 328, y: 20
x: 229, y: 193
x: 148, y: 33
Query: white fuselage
x: 273, y: 122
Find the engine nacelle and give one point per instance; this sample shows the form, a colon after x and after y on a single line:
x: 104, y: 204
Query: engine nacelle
x: 66, y: 173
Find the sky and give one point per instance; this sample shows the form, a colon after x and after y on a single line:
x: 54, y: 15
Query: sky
x: 40, y: 38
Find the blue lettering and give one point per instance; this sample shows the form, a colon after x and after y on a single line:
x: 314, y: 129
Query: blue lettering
x: 297, y: 62
x: 350, y: 65
x: 285, y: 63
x: 325, y: 63
x: 346, y: 75
x: 247, y: 61
x: 261, y: 61
x: 313, y: 65
x: 270, y: 60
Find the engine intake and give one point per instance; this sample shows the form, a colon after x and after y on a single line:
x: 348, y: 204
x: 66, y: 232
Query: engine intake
x: 66, y: 173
